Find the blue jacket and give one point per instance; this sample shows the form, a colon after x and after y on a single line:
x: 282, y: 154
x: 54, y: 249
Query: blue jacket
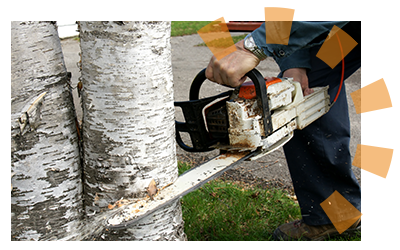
x: 303, y: 36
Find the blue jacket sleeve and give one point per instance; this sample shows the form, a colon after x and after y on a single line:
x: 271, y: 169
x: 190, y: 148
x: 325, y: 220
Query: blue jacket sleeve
x: 298, y: 59
x: 303, y: 36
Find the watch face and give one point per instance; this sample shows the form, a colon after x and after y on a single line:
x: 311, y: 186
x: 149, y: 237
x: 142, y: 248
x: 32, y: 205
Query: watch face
x: 249, y: 42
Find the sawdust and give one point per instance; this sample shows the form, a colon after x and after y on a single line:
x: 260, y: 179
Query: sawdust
x: 133, y: 208
x: 235, y: 154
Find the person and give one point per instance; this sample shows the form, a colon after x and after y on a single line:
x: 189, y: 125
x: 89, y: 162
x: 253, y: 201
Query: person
x: 318, y: 156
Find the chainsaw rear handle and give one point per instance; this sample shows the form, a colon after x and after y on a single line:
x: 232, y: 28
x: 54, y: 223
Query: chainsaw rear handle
x: 194, y: 125
x: 192, y: 110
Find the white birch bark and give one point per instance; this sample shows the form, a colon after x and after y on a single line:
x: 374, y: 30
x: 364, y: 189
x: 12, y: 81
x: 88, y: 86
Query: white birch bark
x: 46, y: 195
x: 128, y: 121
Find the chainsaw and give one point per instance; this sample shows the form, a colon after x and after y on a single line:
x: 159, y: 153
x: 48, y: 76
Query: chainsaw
x: 244, y: 123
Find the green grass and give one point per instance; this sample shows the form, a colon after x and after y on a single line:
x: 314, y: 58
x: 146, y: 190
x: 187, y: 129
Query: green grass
x: 223, y: 210
x: 232, y: 211
x: 182, y: 28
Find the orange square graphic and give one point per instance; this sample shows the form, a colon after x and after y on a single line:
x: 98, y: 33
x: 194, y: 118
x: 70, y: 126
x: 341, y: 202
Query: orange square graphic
x: 278, y: 24
x: 372, y: 97
x: 217, y: 38
x: 336, y: 47
x: 375, y: 160
x: 278, y: 32
x: 278, y: 14
x: 340, y: 211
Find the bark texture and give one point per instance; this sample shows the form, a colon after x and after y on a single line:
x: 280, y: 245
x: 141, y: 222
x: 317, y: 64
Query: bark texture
x: 46, y: 195
x: 128, y: 124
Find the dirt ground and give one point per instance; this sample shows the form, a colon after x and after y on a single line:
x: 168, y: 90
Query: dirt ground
x: 187, y: 60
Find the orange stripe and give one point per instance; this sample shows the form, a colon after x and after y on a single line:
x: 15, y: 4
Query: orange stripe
x: 248, y: 91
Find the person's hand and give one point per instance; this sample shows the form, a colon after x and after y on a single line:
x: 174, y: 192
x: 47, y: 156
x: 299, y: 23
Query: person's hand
x: 231, y: 69
x: 299, y: 75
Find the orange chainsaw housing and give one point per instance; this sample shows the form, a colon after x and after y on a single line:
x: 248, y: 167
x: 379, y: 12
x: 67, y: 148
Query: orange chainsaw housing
x: 248, y: 91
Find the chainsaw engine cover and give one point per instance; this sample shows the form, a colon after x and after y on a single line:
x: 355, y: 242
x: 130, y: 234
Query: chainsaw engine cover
x: 246, y: 130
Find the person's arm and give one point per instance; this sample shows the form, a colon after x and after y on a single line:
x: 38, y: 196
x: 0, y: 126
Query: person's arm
x: 231, y: 69
x: 302, y: 35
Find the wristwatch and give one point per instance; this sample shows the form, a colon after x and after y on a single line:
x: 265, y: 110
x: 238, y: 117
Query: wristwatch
x: 250, y: 45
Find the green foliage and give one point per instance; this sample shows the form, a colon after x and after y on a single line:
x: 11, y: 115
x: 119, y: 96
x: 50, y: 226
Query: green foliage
x: 233, y: 211
x: 223, y: 210
x: 181, y: 28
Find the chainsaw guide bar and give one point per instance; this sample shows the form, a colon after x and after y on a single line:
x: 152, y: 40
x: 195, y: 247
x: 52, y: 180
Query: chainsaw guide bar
x: 187, y: 182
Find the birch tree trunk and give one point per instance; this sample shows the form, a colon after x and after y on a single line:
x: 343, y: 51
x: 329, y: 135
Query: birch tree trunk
x: 128, y: 121
x: 46, y: 195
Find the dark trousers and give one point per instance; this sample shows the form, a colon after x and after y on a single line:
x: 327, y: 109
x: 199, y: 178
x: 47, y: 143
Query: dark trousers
x: 318, y: 156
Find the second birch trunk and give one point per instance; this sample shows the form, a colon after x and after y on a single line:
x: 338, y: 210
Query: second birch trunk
x: 128, y: 124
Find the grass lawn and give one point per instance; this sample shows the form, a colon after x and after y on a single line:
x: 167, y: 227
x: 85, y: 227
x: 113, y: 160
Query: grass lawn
x: 232, y: 211
x: 181, y: 28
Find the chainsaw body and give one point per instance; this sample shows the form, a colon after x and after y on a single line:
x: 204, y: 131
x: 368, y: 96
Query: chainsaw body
x: 257, y: 115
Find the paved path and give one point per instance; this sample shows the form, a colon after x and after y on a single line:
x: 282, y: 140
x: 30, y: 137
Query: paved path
x: 187, y: 60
